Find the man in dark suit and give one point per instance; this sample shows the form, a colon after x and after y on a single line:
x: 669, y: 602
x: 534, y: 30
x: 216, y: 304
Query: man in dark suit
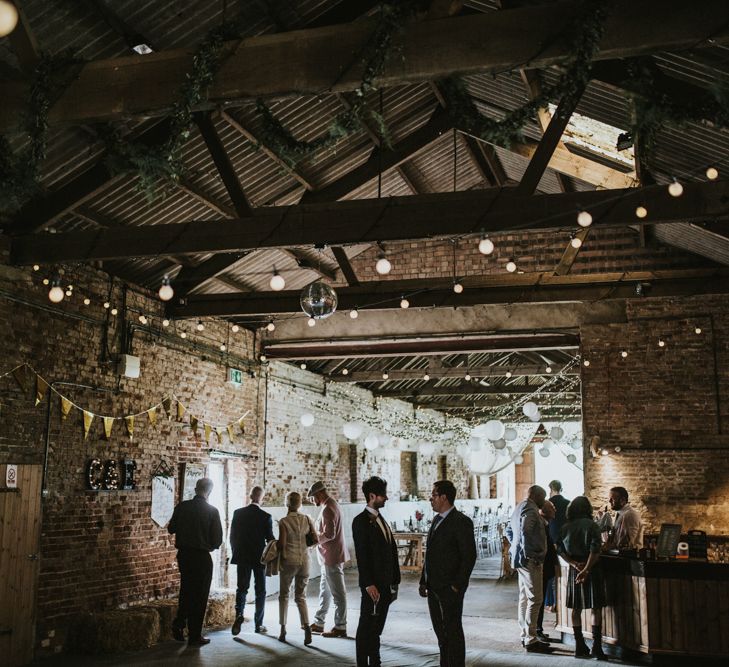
x: 379, y: 571
x: 198, y: 531
x: 560, y: 506
x: 250, y: 529
x: 449, y: 559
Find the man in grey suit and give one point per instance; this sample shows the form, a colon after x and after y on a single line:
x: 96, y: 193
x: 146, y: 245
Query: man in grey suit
x: 449, y: 559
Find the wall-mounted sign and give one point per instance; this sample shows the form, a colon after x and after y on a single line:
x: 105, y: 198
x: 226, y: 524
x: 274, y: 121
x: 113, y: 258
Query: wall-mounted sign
x: 163, y: 499
x: 105, y: 476
x: 191, y: 473
x: 11, y: 477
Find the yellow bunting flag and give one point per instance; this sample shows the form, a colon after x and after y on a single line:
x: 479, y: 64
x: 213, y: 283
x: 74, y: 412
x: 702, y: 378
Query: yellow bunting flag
x: 19, y: 375
x: 129, y: 421
x: 180, y: 411
x: 208, y: 430
x: 242, y: 425
x: 230, y: 431
x: 152, y: 414
x: 41, y: 386
x: 88, y: 418
x: 65, y: 407
x: 219, y: 430
x: 108, y: 423
x: 167, y: 405
x: 193, y: 424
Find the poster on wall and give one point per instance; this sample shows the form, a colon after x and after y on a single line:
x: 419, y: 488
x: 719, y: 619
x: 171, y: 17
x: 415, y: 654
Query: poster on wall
x: 191, y: 472
x: 163, y: 499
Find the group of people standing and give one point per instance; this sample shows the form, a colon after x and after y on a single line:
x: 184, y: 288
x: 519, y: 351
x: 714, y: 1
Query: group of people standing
x: 541, y: 529
x: 449, y: 560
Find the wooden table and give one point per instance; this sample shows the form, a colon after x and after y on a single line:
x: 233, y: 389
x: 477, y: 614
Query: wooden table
x: 413, y: 561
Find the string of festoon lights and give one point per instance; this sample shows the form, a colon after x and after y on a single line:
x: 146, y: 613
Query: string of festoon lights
x: 319, y: 300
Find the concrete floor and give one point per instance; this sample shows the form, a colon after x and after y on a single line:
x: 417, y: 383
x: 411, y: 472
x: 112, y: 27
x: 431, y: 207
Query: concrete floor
x: 492, y: 636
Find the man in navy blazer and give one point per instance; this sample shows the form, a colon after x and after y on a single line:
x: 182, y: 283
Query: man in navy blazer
x: 250, y: 529
x: 449, y: 559
x: 379, y: 571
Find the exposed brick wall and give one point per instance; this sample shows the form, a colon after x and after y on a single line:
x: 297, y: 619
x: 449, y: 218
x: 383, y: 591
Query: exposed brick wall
x: 666, y: 407
x: 101, y: 550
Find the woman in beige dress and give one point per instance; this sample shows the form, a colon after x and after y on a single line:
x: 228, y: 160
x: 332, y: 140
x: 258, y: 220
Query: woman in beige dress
x: 294, y: 564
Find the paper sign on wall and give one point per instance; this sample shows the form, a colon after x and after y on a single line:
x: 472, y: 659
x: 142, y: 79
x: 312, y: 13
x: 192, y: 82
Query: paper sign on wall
x: 11, y: 477
x: 163, y: 499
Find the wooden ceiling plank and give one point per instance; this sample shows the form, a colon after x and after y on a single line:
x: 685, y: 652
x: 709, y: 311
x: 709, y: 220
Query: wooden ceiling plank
x: 417, y: 217
x: 262, y: 66
x: 481, y: 371
x: 345, y: 265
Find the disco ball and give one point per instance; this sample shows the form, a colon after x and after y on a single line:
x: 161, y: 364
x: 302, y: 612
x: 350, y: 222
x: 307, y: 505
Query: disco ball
x: 318, y: 300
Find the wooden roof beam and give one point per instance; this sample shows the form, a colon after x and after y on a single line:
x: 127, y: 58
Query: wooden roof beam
x: 419, y: 217
x: 480, y: 371
x: 262, y: 66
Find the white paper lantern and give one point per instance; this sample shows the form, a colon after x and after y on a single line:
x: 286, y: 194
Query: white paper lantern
x: 556, y: 432
x: 518, y: 459
x: 544, y: 451
x: 548, y: 442
x: 307, y: 419
x: 500, y: 444
x: 426, y: 448
x: 576, y: 444
x: 510, y: 434
x: 462, y: 450
x: 352, y: 430
x: 536, y: 417
x: 372, y: 441
x: 494, y: 429
x: 529, y: 408
x: 479, y: 431
x: 571, y: 458
x: 474, y: 444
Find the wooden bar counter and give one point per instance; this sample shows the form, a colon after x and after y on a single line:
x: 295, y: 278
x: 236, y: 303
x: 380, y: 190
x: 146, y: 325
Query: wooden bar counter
x: 659, y: 608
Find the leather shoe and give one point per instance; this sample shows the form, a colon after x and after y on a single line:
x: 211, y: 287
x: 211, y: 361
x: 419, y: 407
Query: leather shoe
x: 261, y: 629
x: 541, y: 637
x: 200, y: 641
x: 307, y: 635
x: 538, y: 647
x: 316, y: 629
x: 236, y: 625
x: 178, y: 634
x: 334, y: 632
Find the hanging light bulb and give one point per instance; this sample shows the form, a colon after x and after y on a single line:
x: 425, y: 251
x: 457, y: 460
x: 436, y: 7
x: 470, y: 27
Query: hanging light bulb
x: 142, y: 318
x: 623, y: 354
x: 183, y: 334
x: 385, y: 375
x: 36, y: 267
x: 56, y: 293
x: 311, y: 322
x: 277, y: 281
x: 165, y: 291
x: 548, y: 369
x: 345, y: 371
x: 263, y: 358
x: 354, y: 313
x: 404, y: 303
x: 107, y: 305
x: 712, y: 173
x: 467, y: 377
x: 165, y: 322
x: 508, y: 374
x: 584, y: 219
x: 675, y: 189
x: 271, y: 326
x: 383, y: 266
x: 222, y: 347
x: 87, y: 301
x: 8, y: 17
x: 511, y: 266
x: 46, y: 281
x: 235, y: 328
x: 426, y: 377
x: 200, y: 326
x: 69, y: 292
x: 457, y: 287
x: 641, y: 212
x: 485, y: 246
x: 661, y: 342
x: 576, y: 242
x: 302, y: 366
x: 586, y: 362
x: 697, y: 330
x: 114, y: 311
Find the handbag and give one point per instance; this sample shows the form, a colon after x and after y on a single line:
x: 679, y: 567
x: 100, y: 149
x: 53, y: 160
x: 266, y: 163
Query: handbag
x: 311, y: 538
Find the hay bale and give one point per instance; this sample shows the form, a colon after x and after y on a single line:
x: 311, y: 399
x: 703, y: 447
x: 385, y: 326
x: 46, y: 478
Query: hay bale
x: 166, y: 610
x: 221, y: 608
x: 113, y: 631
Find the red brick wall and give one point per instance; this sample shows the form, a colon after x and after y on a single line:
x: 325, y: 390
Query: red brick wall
x: 665, y: 407
x: 101, y: 550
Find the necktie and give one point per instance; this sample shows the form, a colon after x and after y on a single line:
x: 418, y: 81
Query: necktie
x: 384, y: 528
x: 438, y: 518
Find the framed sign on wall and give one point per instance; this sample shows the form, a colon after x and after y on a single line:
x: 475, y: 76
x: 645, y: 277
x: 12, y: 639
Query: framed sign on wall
x: 191, y: 472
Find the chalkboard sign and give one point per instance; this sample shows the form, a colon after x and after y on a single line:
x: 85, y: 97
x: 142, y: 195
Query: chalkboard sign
x: 668, y: 540
x: 697, y: 544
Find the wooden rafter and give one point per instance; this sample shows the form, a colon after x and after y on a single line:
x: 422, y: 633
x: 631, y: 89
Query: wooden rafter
x: 261, y: 66
x: 441, y: 215
x: 478, y: 371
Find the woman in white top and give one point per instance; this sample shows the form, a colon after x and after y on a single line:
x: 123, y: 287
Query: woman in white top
x: 294, y: 564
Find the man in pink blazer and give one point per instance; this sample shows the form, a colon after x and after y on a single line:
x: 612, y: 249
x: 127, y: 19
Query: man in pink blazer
x: 332, y: 553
